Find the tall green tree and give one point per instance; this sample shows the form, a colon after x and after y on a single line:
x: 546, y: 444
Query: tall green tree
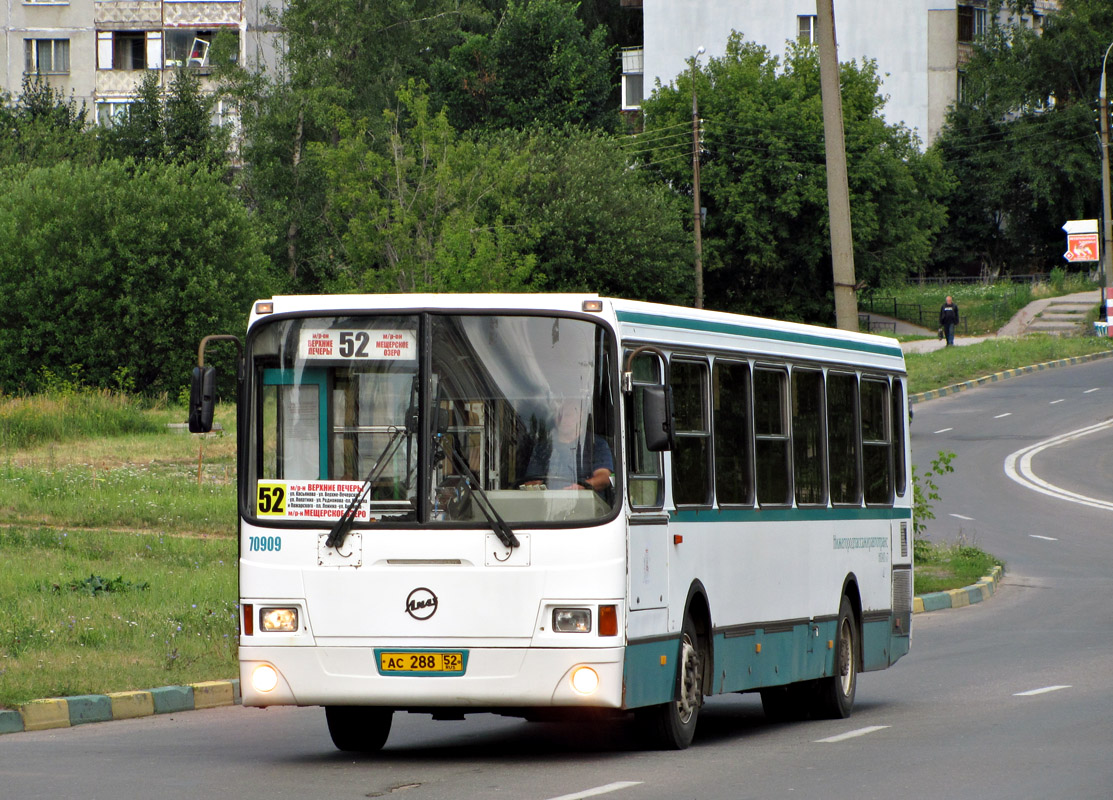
x: 42, y: 126
x: 119, y: 265
x: 766, y: 239
x: 539, y: 65
x: 1023, y: 143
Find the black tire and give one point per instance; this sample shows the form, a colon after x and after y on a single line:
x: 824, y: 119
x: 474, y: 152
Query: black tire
x: 358, y: 729
x: 672, y: 726
x: 836, y: 693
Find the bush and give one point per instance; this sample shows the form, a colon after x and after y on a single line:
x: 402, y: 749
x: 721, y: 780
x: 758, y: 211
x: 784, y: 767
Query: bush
x: 120, y: 270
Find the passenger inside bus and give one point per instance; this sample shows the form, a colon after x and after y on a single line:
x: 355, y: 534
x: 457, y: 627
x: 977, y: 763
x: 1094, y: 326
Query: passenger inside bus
x: 572, y: 456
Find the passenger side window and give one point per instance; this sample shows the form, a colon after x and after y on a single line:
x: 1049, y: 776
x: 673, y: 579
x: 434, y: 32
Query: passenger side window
x: 691, y: 458
x: 809, y: 457
x: 771, y: 440
x: 842, y: 438
x: 645, y: 474
x: 730, y: 399
x: 877, y: 445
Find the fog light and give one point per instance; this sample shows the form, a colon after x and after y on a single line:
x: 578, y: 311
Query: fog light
x: 585, y: 680
x: 264, y: 678
x: 281, y: 620
x: 572, y: 620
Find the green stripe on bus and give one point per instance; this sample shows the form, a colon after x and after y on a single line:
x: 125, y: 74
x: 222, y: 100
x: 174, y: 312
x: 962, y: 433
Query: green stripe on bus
x: 786, y: 514
x: 735, y: 329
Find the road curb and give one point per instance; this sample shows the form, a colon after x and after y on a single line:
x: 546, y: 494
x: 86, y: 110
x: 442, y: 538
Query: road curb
x: 66, y: 712
x: 957, y: 598
x: 935, y: 394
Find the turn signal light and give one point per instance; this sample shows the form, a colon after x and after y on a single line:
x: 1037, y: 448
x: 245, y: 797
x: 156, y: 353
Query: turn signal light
x: 608, y: 621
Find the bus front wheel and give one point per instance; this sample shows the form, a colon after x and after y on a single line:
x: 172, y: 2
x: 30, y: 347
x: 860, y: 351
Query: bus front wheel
x: 671, y: 726
x: 836, y: 693
x: 358, y: 729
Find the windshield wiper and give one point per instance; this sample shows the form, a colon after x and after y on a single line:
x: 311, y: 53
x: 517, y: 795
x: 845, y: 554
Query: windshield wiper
x: 343, y: 525
x: 498, y: 524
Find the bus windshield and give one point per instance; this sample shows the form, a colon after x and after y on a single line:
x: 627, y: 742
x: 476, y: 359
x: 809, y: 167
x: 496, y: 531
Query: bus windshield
x: 433, y: 409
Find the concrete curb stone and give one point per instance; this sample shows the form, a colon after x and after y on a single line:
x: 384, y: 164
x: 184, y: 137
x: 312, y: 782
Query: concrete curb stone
x: 957, y: 598
x: 64, y: 712
x: 935, y: 394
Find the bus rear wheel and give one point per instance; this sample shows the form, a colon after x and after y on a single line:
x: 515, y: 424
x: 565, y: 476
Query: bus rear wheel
x: 836, y: 693
x: 358, y: 729
x: 672, y: 726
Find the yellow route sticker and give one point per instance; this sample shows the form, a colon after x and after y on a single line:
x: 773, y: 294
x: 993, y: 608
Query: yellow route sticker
x: 271, y: 500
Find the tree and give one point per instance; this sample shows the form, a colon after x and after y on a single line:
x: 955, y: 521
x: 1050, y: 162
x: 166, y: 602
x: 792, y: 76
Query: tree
x: 539, y: 65
x: 766, y: 238
x: 437, y: 213
x: 1022, y: 142
x: 601, y: 226
x: 120, y: 265
x: 138, y: 132
x: 42, y: 127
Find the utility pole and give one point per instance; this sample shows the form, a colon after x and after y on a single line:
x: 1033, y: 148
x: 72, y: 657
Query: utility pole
x: 838, y: 193
x: 1107, y: 223
x: 697, y: 213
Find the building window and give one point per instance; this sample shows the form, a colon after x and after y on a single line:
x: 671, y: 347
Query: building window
x: 47, y: 56
x: 129, y: 50
x: 960, y: 90
x: 971, y: 23
x: 806, y: 29
x: 112, y: 112
x: 632, y: 86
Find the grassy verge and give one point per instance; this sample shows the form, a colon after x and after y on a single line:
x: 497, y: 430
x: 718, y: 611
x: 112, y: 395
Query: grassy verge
x: 940, y: 567
x: 952, y: 365
x: 89, y: 612
x: 117, y: 547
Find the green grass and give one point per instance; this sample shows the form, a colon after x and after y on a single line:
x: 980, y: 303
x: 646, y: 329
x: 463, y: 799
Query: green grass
x: 165, y: 612
x: 951, y: 365
x: 940, y: 567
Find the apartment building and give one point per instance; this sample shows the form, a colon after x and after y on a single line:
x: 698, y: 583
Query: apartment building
x: 920, y: 45
x: 97, y: 51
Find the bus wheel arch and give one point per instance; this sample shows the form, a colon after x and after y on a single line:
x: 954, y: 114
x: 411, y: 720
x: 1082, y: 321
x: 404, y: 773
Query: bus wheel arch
x: 672, y: 725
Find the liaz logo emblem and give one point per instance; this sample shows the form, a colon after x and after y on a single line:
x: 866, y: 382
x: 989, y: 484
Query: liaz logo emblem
x: 421, y: 604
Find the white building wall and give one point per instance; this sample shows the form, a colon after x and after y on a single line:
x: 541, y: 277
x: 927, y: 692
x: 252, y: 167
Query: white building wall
x: 895, y: 33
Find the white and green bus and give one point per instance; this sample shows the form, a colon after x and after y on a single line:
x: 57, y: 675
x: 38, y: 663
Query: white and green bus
x: 543, y: 505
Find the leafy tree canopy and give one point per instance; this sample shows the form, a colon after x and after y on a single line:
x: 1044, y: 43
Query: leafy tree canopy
x: 119, y: 265
x: 766, y: 237
x: 1022, y: 142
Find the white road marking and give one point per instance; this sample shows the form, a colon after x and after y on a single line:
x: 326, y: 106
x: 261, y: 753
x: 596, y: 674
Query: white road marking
x: 1045, y: 538
x: 1044, y: 690
x: 1060, y: 400
x: 842, y: 737
x: 959, y: 516
x: 1002, y: 416
x: 1091, y: 391
x: 944, y: 430
x: 1018, y: 466
x: 598, y: 790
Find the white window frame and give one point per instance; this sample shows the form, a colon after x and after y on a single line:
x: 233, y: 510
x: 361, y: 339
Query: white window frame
x: 632, y: 72
x: 806, y: 25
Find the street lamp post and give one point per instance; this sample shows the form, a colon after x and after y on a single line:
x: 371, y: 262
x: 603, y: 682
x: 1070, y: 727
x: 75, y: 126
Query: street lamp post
x: 1107, y: 223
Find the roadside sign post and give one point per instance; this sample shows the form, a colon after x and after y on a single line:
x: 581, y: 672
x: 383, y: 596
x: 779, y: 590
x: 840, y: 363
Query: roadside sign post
x: 1084, y: 244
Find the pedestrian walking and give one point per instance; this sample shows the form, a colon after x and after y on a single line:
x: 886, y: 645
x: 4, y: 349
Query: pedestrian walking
x: 948, y: 318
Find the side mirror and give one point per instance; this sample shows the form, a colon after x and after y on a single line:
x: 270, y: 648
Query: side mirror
x: 657, y: 418
x: 202, y: 399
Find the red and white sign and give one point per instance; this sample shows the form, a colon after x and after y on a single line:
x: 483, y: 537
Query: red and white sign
x: 1081, y: 247
x: 370, y: 345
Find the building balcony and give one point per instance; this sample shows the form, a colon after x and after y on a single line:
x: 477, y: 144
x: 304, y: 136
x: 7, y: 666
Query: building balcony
x: 127, y: 14
x: 214, y: 13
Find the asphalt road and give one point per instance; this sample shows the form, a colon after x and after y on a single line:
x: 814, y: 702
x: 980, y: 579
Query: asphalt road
x: 1010, y: 698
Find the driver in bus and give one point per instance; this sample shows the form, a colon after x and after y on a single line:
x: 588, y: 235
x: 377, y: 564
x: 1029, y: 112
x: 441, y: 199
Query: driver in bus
x: 568, y: 459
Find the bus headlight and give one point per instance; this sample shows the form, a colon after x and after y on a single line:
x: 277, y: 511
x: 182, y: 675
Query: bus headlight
x: 572, y: 620
x: 585, y: 680
x: 264, y: 678
x: 280, y: 620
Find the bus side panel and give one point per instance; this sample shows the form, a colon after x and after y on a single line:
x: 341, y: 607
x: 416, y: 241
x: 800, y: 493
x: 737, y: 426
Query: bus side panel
x: 877, y: 640
x: 773, y: 657
x: 649, y: 672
